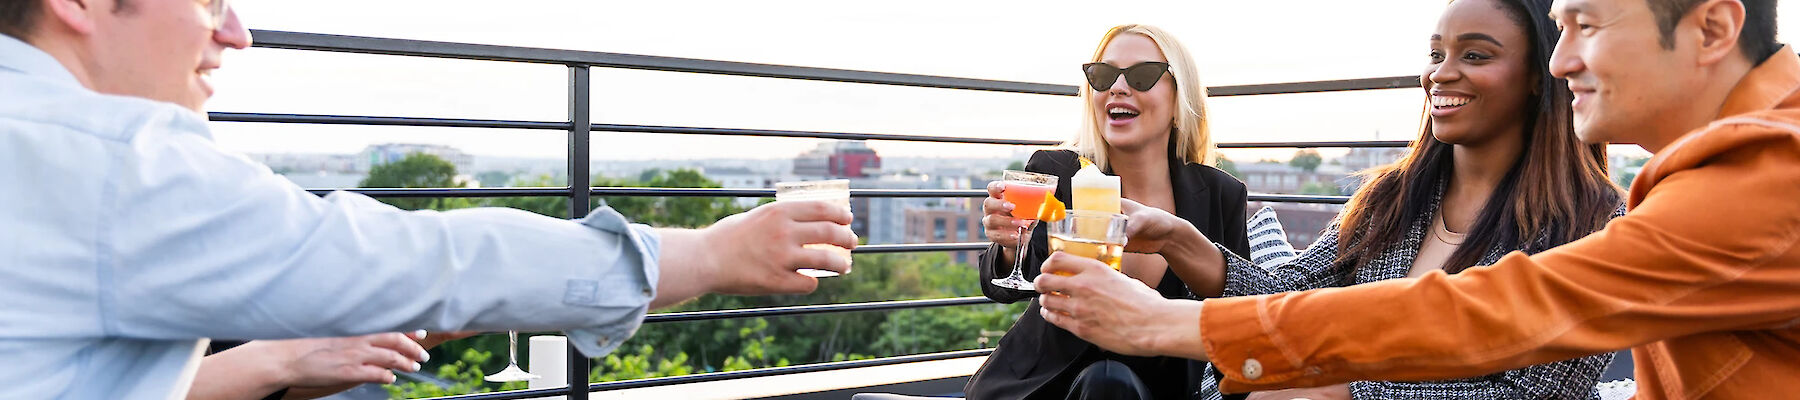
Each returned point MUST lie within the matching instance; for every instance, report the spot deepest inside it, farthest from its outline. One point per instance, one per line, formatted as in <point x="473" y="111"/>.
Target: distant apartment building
<point x="1271" y="177"/>
<point x="949" y="222"/>
<point x="839" y="159"/>
<point x="313" y="170"/>
<point x="854" y="160"/>
<point x="283" y="163"/>
<point x="883" y="219"/>
<point x="391" y="152"/>
<point x="1363" y="159"/>
<point x="739" y="178"/>
<point x="1360" y="159"/>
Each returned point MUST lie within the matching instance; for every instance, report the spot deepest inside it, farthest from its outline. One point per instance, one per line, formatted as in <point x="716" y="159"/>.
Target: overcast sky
<point x="1234" y="42"/>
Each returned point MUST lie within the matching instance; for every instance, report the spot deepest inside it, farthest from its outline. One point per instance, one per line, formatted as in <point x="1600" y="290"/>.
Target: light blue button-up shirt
<point x="127" y="236"/>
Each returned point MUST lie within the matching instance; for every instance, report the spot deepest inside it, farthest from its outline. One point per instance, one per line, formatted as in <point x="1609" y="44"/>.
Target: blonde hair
<point x="1193" y="140"/>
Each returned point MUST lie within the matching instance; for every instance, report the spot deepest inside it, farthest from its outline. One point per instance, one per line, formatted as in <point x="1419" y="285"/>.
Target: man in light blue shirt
<point x="129" y="236"/>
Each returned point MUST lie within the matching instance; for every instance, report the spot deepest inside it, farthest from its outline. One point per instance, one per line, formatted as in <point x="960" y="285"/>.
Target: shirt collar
<point x="1766" y="85"/>
<point x="19" y="56"/>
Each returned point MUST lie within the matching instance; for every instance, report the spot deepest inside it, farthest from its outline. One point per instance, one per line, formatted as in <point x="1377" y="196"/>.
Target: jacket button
<point x="603" y="341"/>
<point x="1252" y="369"/>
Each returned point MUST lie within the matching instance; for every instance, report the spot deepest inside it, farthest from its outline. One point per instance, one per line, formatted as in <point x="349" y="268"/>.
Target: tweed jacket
<point x="1315" y="268"/>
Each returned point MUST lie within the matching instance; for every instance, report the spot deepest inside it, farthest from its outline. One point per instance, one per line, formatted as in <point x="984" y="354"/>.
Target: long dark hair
<point x="1557" y="190"/>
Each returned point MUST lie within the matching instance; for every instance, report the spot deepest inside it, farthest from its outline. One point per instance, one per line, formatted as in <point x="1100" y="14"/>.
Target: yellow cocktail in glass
<point x="1091" y="234"/>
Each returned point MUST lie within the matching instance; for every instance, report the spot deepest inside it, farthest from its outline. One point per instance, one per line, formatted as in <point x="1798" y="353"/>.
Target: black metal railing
<point x="580" y="126"/>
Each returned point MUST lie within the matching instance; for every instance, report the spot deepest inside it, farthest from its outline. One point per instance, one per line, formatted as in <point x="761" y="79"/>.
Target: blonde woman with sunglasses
<point x="1145" y="122"/>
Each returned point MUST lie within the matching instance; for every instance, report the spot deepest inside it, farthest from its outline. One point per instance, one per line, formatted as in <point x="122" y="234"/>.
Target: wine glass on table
<point x="512" y="372"/>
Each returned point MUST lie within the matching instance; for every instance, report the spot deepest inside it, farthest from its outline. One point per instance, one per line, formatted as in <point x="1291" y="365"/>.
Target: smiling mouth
<point x="1448" y="102"/>
<point x="1120" y="113"/>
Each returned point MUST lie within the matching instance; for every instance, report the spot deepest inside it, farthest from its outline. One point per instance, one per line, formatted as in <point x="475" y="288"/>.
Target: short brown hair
<point x="1757" y="40"/>
<point x="17" y="16"/>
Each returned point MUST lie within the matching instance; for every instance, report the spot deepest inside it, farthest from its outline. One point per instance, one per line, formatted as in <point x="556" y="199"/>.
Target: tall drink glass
<point x="1092" y="234"/>
<point x="836" y="191"/>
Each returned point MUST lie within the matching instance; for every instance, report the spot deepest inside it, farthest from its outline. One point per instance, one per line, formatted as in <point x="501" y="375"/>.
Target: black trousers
<point x="1108" y="380"/>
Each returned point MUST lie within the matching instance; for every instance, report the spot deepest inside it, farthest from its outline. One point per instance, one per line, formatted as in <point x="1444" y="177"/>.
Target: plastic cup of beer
<point x="1092" y="234"/>
<point x="836" y="191"/>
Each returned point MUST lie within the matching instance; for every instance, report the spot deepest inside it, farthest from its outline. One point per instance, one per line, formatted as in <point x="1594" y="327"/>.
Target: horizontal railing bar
<point x="918" y="248"/>
<point x="450" y="192"/>
<point x="812" y="309"/>
<point x="1389" y="82"/>
<point x="422" y="48"/>
<point x="720" y="376"/>
<point x="687" y="130"/>
<point x="630" y="191"/>
<point x="383" y="121"/>
<point x="468" y="51"/>
<point x="1291" y="198"/>
<point x="734" y="192"/>
<point x="717" y="192"/>
<point x="1306" y="145"/>
<point x="797" y="369"/>
<point x="684" y="130"/>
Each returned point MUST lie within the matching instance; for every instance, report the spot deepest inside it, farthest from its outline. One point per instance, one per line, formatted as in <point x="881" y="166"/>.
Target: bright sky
<point x="1235" y="42"/>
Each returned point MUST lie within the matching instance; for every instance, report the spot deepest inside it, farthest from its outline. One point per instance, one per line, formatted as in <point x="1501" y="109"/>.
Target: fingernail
<point x="419" y="334"/>
<point x="424" y="356"/>
<point x="415" y="368"/>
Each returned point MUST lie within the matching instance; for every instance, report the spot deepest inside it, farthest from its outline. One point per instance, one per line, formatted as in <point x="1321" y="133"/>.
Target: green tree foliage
<point x="672" y="349"/>
<point x="685" y="212"/>
<point x="465" y="375"/>
<point x="1624" y="172"/>
<point x="828" y="337"/>
<point x="1225" y="164"/>
<point x="1319" y="189"/>
<point x="493" y="178"/>
<point x="417" y="170"/>
<point x="681" y="212"/>
<point x="1307" y="160"/>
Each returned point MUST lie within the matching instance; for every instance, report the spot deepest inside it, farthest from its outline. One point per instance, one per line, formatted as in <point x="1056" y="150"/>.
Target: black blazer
<point x="1039" y="360"/>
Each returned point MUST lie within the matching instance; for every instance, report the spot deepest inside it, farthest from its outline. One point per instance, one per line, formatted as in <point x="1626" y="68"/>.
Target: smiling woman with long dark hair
<point x="1497" y="167"/>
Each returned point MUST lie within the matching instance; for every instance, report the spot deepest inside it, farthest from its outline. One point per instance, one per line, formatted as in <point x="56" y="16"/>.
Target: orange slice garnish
<point x="1052" y="209"/>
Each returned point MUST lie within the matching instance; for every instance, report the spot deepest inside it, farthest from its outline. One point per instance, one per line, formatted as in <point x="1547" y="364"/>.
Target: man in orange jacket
<point x="1701" y="278"/>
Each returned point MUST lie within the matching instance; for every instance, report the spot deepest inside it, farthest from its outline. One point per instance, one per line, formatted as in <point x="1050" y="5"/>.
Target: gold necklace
<point x="1439" y="231"/>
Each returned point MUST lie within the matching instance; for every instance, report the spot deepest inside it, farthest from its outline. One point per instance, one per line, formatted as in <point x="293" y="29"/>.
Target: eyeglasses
<point x="1142" y="76"/>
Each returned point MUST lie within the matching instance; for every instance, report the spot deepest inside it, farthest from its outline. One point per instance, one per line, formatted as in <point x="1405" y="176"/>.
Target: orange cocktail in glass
<point x="1027" y="198"/>
<point x="1027" y="191"/>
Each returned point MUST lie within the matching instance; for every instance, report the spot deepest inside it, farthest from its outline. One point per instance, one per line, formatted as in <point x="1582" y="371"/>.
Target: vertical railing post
<point x="579" y="183"/>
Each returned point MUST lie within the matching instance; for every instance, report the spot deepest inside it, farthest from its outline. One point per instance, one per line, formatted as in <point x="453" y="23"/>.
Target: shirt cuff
<point x="1246" y="351"/>
<point x="642" y="254"/>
